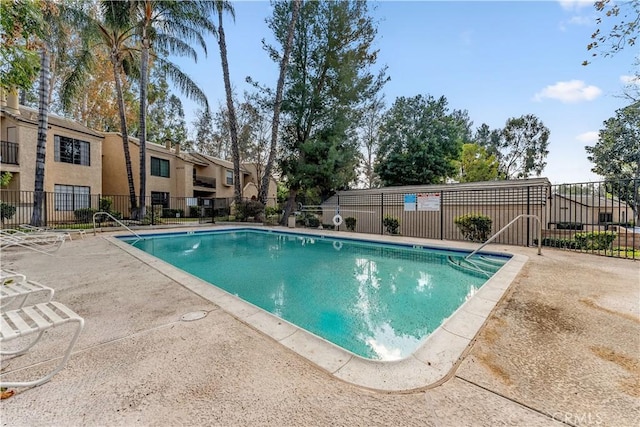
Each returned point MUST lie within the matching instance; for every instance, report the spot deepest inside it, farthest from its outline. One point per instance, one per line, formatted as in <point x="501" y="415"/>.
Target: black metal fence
<point x="595" y="217"/>
<point x="76" y="210"/>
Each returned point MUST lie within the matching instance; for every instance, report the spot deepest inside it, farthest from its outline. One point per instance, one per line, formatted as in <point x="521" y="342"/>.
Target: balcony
<point x="204" y="181"/>
<point x="9" y="153"/>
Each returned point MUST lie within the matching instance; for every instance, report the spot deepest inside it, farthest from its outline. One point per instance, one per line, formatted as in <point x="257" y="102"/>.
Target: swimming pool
<point x="377" y="300"/>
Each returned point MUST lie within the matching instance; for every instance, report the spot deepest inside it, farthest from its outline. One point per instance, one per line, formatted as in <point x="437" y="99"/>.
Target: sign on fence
<point x="409" y="202"/>
<point x="429" y="201"/>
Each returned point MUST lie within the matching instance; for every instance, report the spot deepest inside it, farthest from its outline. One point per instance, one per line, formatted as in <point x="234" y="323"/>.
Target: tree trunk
<point x="233" y="124"/>
<point x="275" y="124"/>
<point x="125" y="135"/>
<point x="289" y="208"/>
<point x="41" y="150"/>
<point x="144" y="80"/>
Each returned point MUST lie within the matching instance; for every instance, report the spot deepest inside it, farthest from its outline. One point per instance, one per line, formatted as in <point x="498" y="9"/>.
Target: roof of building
<point x="593" y="200"/>
<point x="30" y="115"/>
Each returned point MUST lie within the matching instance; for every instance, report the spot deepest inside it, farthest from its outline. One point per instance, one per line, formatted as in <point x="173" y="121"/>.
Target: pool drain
<point x="194" y="315"/>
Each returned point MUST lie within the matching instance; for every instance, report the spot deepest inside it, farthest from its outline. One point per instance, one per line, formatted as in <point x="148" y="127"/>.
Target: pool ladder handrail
<point x="507" y="226"/>
<point x="116" y="220"/>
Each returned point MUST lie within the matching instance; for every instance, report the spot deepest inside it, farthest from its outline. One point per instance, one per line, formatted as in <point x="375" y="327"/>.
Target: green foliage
<point x="391" y="224"/>
<point x="247" y="209"/>
<point x="272" y="210"/>
<point x="474" y="227"/>
<point x="620" y="34"/>
<point x="523" y="148"/>
<point x="5" y="179"/>
<point x="165" y="115"/>
<point x="419" y="141"/>
<point x="7" y="211"/>
<point x="595" y="240"/>
<point x="172" y="213"/>
<point x="350" y="223"/>
<point x="558" y="243"/>
<point x="85" y="215"/>
<point x="569" y="226"/>
<point x="105" y="204"/>
<point x="476" y="164"/>
<point x="327" y="82"/>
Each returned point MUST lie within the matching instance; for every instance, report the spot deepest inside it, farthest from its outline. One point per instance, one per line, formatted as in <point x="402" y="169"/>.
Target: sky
<point x="497" y="60"/>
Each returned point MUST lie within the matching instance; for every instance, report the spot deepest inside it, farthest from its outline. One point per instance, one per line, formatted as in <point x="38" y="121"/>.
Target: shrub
<point x="350" y="223"/>
<point x="474" y="227"/>
<point x="105" y="204"/>
<point x="7" y="211"/>
<point x="558" y="243"/>
<point x="595" y="240"/>
<point x="272" y="210"/>
<point x="172" y="213"/>
<point x="313" y="222"/>
<point x="248" y="208"/>
<point x="392" y="224"/>
<point x="85" y="215"/>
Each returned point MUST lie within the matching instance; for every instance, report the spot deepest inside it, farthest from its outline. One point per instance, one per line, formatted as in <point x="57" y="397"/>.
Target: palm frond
<point x="183" y="82"/>
<point x="175" y="46"/>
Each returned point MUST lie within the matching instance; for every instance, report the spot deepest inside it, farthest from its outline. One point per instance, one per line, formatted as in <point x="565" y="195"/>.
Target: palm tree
<point x="221" y="7"/>
<point x="264" y="184"/>
<point x="114" y="33"/>
<point x="169" y="26"/>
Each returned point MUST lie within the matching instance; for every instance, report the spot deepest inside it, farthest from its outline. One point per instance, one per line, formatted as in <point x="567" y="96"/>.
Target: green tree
<point x="111" y="31"/>
<point x="166" y="114"/>
<point x="205" y="135"/>
<point x="523" y="147"/>
<point x="489" y="139"/>
<point x="327" y="81"/>
<point x="616" y="155"/>
<point x="168" y="27"/>
<point x="369" y="135"/>
<point x="21" y="29"/>
<point x="419" y="141"/>
<point x="476" y="164"/>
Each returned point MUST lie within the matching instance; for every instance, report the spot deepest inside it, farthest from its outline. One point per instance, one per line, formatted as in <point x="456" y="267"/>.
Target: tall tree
<point x="110" y="31"/>
<point x="223" y="6"/>
<point x="523" y="147"/>
<point x="616" y="155"/>
<point x="205" y="141"/>
<point x="277" y="103"/>
<point x="419" y="141"/>
<point x="165" y="113"/>
<point x="169" y="26"/>
<point x="369" y="140"/>
<point x="327" y="81"/>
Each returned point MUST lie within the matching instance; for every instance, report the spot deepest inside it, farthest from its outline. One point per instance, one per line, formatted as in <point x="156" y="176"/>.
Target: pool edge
<point x="431" y="364"/>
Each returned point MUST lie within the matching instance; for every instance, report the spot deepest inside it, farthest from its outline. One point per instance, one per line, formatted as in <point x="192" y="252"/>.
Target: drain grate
<point x="194" y="315"/>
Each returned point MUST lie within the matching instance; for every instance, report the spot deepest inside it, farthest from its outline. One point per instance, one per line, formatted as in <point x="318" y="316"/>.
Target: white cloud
<point x="581" y="20"/>
<point x="629" y="80"/>
<point x="588" y="137"/>
<point x="569" y="92"/>
<point x="575" y="4"/>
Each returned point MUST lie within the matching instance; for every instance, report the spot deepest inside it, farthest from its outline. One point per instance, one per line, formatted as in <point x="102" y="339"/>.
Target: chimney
<point x="168" y="144"/>
<point x="177" y="147"/>
<point x="12" y="102"/>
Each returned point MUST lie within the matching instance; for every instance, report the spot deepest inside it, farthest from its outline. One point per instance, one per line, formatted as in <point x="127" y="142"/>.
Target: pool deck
<point x="562" y="347"/>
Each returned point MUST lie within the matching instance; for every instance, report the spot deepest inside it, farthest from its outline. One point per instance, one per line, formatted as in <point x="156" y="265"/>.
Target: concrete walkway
<point x="562" y="348"/>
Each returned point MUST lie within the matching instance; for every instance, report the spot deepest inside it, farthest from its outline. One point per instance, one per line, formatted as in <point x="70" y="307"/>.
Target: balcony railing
<point x="9" y="153"/>
<point x="204" y="181"/>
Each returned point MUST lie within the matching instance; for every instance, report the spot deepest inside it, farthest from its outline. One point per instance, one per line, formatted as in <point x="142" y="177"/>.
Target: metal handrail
<point x="507" y="226"/>
<point x="116" y="220"/>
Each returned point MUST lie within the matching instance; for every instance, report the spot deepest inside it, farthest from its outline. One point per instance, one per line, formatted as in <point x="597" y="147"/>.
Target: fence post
<point x="45" y="209"/>
<point x="442" y="215"/>
<point x="528" y="213"/>
<point x="381" y="213"/>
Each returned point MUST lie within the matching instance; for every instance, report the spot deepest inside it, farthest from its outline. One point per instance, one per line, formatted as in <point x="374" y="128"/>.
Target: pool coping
<point x="428" y="366"/>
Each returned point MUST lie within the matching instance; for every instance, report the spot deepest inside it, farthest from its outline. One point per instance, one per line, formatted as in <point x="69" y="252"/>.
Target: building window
<point x="71" y="197"/>
<point x="604" y="217"/>
<point x="159" y="167"/>
<point x="229" y="177"/>
<point x="160" y="198"/>
<point x="74" y="151"/>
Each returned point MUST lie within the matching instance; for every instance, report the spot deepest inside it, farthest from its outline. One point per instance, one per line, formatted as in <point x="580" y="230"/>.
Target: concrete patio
<point x="561" y="348"/>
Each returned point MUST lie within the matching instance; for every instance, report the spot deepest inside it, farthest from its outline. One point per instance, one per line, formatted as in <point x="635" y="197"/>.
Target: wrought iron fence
<point x="66" y="210"/>
<point x="595" y="217"/>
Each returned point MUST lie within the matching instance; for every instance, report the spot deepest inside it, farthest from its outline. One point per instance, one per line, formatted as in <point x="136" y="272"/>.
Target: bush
<point x="172" y="213"/>
<point x="595" y="240"/>
<point x="272" y="210"/>
<point x="392" y="224"/>
<point x="350" y="223"/>
<point x="7" y="211"/>
<point x="85" y="215"/>
<point x="247" y="209"/>
<point x="474" y="227"/>
<point x="313" y="222"/>
<point x="105" y="204"/>
<point x="558" y="243"/>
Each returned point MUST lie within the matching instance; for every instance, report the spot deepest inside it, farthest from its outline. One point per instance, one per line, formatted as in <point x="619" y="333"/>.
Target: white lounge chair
<point x="69" y="231"/>
<point x="36" y="319"/>
<point x="39" y="242"/>
<point x="16" y="286"/>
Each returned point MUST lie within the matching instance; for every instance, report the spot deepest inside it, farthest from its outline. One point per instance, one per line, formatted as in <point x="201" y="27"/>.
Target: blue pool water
<point x="378" y="301"/>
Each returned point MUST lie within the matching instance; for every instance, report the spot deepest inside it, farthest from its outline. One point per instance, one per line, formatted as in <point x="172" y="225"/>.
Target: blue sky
<point x="497" y="60"/>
